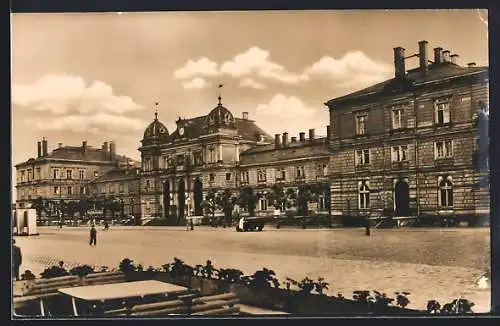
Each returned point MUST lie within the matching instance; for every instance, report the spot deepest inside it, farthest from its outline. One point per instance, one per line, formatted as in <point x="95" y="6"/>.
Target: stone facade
<point x="64" y="173"/>
<point x="410" y="145"/>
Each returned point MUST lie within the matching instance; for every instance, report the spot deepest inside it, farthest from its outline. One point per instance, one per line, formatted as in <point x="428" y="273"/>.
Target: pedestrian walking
<point x="106" y="226"/>
<point x="17" y="259"/>
<point x="93" y="235"/>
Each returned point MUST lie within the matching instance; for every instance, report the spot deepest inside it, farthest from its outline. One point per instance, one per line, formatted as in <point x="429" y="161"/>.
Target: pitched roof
<point x="117" y="174"/>
<point x="414" y="77"/>
<point x="270" y="154"/>
<point x="76" y="153"/>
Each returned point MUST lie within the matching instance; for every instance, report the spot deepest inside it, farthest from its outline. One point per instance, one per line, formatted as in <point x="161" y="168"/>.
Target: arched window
<point x="364" y="195"/>
<point x="445" y="192"/>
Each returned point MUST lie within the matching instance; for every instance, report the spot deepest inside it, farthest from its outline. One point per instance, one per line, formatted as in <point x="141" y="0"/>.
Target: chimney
<point x="454" y="58"/>
<point x="245" y="115"/>
<point x="105" y="150"/>
<point x="438" y="55"/>
<point x="471" y="64"/>
<point x="302" y="136"/>
<point x="328" y="132"/>
<point x="422" y="55"/>
<point x="285" y="139"/>
<point x="399" y="62"/>
<point x="311" y="135"/>
<point x="44" y="147"/>
<point x="294" y="139"/>
<point x="84" y="147"/>
<point x="277" y="143"/>
<point x="446" y="56"/>
<point x="112" y="150"/>
<point x="39" y="149"/>
<point x="59" y="145"/>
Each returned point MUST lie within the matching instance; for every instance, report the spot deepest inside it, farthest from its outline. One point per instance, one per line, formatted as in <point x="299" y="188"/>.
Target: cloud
<point x="62" y="94"/>
<point x="201" y="67"/>
<point x="195" y="83"/>
<point x="353" y="70"/>
<point x="256" y="61"/>
<point x="285" y="107"/>
<point x="97" y="123"/>
<point x="251" y="83"/>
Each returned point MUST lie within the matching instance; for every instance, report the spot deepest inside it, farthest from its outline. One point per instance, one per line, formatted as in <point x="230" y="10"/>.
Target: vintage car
<point x="251" y="224"/>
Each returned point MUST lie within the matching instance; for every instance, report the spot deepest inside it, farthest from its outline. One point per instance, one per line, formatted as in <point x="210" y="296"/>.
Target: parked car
<point x="251" y="224"/>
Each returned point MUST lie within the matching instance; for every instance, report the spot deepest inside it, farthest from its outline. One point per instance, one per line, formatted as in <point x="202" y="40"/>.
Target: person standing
<point x="93" y="235"/>
<point x="17" y="259"/>
<point x="367" y="226"/>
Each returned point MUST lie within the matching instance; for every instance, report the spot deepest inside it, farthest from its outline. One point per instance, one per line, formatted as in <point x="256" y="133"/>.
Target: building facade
<point x="63" y="174"/>
<point x="414" y="145"/>
<point x="201" y="155"/>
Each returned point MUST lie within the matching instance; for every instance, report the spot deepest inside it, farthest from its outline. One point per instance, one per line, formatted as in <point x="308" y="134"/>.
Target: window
<point x="81" y="174"/>
<point x="56" y="190"/>
<point x="38" y="173"/>
<point x="300" y="172"/>
<point x="103" y="189"/>
<point x="361" y="120"/>
<point x="147" y="164"/>
<point x="244" y="176"/>
<point x="280" y="174"/>
<point x="212" y="177"/>
<point x="321" y="203"/>
<point x="322" y="170"/>
<point x="69" y="190"/>
<point x="120" y="188"/>
<point x="23" y="176"/>
<point x="363" y="157"/>
<point x="198" y="158"/>
<point x="442" y="112"/>
<point x="111" y="188"/>
<point x="364" y="195"/>
<point x="212" y="154"/>
<point x="228" y="176"/>
<point x="261" y="176"/>
<point x="444" y="149"/>
<point x="397" y="118"/>
<point x="55" y="174"/>
<point x="30" y="176"/>
<point x="399" y="153"/>
<point x="69" y="174"/>
<point x="82" y="190"/>
<point x="263" y="204"/>
<point x="445" y="192"/>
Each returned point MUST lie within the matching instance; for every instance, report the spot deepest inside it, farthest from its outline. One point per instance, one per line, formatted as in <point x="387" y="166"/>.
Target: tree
<point x="212" y="203"/>
<point x="227" y="201"/>
<point x="247" y="199"/>
<point x="40" y="205"/>
<point x="303" y="198"/>
<point x="278" y="197"/>
<point x="83" y="206"/>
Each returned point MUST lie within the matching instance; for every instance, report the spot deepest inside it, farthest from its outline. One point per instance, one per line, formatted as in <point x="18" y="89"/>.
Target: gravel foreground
<point x="440" y="264"/>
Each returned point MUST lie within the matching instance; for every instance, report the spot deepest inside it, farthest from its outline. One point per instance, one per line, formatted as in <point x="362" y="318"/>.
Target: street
<point x="440" y="264"/>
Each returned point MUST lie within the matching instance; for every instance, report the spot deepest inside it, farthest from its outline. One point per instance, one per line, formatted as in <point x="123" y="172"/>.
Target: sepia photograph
<point x="279" y="163"/>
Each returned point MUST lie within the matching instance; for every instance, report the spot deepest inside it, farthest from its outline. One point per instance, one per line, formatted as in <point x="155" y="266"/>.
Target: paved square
<point x="441" y="264"/>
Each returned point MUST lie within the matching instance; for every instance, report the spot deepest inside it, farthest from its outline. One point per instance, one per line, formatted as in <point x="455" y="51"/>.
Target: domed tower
<point x="220" y="117"/>
<point x="155" y="133"/>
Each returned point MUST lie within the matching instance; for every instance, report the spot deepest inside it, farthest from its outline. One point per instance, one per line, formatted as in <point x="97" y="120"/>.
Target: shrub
<point x="54" y="271"/>
<point x="456" y="307"/>
<point x="381" y="299"/>
<point x="28" y="275"/>
<point x="402" y="299"/>
<point x="82" y="270"/>
<point x="179" y="268"/>
<point x="230" y="275"/>
<point x="208" y="270"/>
<point x="321" y="285"/>
<point x="263" y="278"/>
<point x="127" y="266"/>
<point x="362" y="296"/>
<point x="306" y="285"/>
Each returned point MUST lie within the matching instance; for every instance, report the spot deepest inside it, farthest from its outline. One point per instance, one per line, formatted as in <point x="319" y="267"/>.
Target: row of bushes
<point x="260" y="280"/>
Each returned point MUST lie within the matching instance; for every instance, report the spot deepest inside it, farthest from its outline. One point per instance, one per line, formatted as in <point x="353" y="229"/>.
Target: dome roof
<point x="155" y="129"/>
<point x="220" y="116"/>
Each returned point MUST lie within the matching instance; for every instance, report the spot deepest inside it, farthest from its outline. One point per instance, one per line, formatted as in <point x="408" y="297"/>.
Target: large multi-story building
<point x="64" y="173"/>
<point x="202" y="154"/>
<point x="415" y="144"/>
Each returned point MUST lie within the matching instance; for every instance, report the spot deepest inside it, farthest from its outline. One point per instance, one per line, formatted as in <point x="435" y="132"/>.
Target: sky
<point x="97" y="76"/>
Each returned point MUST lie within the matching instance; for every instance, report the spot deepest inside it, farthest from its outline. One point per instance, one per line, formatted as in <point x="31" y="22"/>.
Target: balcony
<point x="400" y="165"/>
<point x="444" y="162"/>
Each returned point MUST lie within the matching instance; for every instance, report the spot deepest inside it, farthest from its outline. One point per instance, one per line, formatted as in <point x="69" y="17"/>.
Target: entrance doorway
<point x="402" y="198"/>
<point x="166" y="199"/>
<point x="197" y="194"/>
